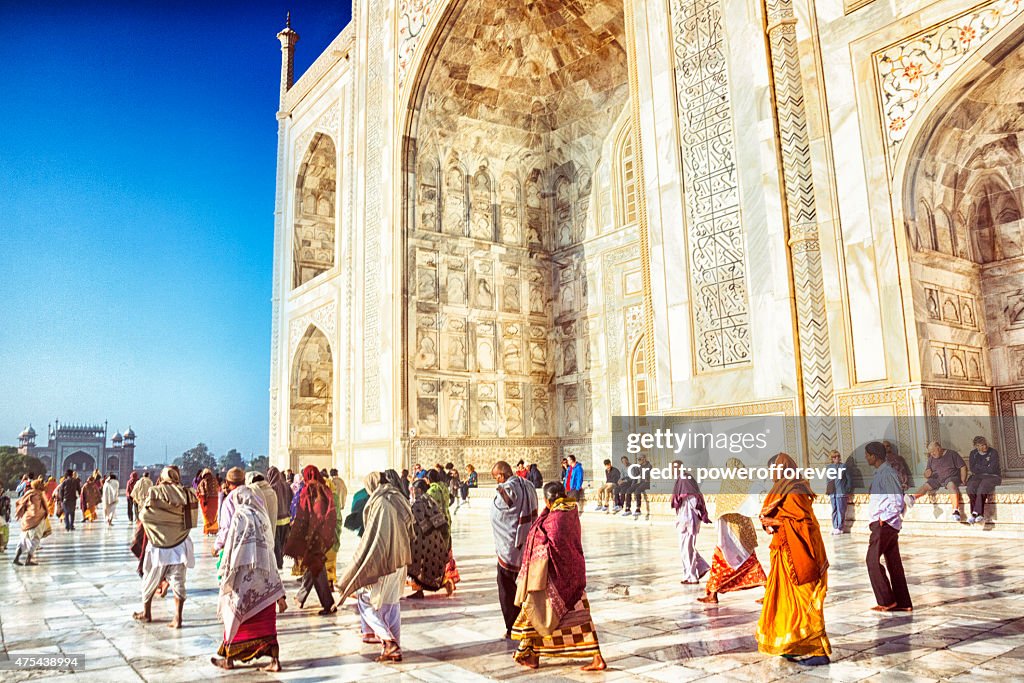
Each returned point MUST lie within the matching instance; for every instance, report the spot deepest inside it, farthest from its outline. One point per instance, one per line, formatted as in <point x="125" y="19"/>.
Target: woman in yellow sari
<point x="792" y="622"/>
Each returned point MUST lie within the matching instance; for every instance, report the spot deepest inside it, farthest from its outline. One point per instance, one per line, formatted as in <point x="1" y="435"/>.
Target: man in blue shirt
<point x="885" y="519"/>
<point x="574" y="485"/>
<point x="838" y="488"/>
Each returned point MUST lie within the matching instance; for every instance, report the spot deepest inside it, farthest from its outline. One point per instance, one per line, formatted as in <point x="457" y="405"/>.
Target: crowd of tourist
<point x="403" y="522"/>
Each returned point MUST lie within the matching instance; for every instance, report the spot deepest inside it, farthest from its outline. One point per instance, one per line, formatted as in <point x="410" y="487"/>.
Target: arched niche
<point x="504" y="138"/>
<point x="311" y="413"/>
<point x="962" y="188"/>
<point x="315" y="220"/>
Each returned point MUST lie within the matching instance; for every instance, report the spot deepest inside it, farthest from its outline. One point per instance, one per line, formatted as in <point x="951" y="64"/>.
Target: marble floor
<point x="968" y="623"/>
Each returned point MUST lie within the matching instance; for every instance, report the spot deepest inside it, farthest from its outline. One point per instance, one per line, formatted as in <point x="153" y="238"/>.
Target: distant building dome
<point x="27" y="433"/>
<point x="130" y="434"/>
<point x="117" y="437"/>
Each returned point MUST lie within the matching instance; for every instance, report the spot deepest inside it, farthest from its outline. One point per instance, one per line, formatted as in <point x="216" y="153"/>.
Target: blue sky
<point x="137" y="166"/>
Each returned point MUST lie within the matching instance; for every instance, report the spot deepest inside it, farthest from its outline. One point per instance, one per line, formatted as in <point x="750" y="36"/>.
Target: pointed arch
<point x="311" y="399"/>
<point x="315" y="200"/>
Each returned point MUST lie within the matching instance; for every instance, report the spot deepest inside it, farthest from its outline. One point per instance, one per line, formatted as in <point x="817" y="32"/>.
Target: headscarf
<point x="283" y="491"/>
<point x="790" y="501"/>
<point x="439" y="492"/>
<point x="250" y="582"/>
<point x="686" y="486"/>
<point x="297" y="482"/>
<point x="398" y="481"/>
<point x="129" y="486"/>
<point x="386" y="545"/>
<point x="171" y="475"/>
<point x="553" y="576"/>
<point x="312" y="531"/>
<point x="141" y="490"/>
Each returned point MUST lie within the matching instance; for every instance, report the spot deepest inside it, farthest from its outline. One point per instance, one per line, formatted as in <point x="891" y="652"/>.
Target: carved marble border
<point x="910" y="71"/>
<point x="1013" y="454"/>
<point x="323" y="317"/>
<point x="328" y="123"/>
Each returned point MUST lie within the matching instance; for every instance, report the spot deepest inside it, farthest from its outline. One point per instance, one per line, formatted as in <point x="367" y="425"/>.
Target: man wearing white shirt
<point x="885" y="517"/>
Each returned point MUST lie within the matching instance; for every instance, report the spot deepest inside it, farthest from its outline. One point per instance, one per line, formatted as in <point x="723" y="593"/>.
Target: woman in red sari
<point x="554" y="618"/>
<point x="792" y="622"/>
<point x="312" y="535"/>
<point x="208" y="491"/>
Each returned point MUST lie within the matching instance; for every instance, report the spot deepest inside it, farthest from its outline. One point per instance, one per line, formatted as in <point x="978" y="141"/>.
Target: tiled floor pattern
<point x="968" y="625"/>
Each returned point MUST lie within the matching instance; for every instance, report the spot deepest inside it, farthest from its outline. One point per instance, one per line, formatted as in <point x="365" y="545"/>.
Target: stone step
<point x="931" y="516"/>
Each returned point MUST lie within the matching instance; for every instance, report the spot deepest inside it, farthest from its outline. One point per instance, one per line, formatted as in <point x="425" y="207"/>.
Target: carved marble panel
<point x="716" y="243"/>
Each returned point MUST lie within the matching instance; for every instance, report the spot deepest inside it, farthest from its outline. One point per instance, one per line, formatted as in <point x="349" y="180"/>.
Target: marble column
<point x="802" y="223"/>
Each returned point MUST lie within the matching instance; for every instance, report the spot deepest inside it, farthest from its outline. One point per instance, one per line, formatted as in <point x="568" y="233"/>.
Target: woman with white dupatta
<point x="250" y="589"/>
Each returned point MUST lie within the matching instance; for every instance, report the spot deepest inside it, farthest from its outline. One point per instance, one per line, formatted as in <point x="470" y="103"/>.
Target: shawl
<point x="554" y="572"/>
<point x="687" y="486"/>
<point x="338" y="486"/>
<point x="92" y="493"/>
<point x="430" y="544"/>
<point x="511" y="523"/>
<point x="312" y="531"/>
<point x="31" y="509"/>
<point x="267" y="496"/>
<point x="51" y="486"/>
<point x="170" y="511"/>
<point x="208" y="486"/>
<point x="339" y="514"/>
<point x="227" y="511"/>
<point x="439" y="492"/>
<point x="395" y="479"/>
<point x="386" y="546"/>
<point x="790" y="502"/>
<point x="297" y="483"/>
<point x="249" y="582"/>
<point x="133" y="479"/>
<point x="110" y="491"/>
<point x="283" y="491"/>
<point x="354" y="521"/>
<point x="141" y="490"/>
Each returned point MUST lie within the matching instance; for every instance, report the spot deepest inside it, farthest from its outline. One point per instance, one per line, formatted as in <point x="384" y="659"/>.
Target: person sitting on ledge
<point x="985" y="477"/>
<point x="946" y="469"/>
<point x="606" y="493"/>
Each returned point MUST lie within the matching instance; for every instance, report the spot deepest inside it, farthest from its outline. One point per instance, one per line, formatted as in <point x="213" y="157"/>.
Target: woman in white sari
<point x="735" y="565"/>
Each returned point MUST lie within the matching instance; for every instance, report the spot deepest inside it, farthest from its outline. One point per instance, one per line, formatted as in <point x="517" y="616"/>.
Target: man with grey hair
<point x="512" y="513"/>
<point x="946" y="470"/>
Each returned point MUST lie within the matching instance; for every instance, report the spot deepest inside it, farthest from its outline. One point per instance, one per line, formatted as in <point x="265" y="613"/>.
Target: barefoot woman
<point x="554" y="618"/>
<point x="251" y="587"/>
<point x="792" y="620"/>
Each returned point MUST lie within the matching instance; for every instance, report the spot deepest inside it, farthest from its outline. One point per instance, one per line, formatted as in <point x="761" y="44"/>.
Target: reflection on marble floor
<point x="968" y="623"/>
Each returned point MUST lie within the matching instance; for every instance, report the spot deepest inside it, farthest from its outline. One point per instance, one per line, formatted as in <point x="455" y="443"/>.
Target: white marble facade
<point x="499" y="224"/>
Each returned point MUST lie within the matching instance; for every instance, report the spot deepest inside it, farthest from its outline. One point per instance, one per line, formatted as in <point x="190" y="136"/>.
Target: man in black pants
<point x="639" y="478"/>
<point x="885" y="517"/>
<point x="985" y="477"/>
<point x="68" y="492"/>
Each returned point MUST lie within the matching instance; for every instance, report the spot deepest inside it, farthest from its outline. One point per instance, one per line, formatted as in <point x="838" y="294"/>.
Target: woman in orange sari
<point x="208" y="491"/>
<point x="51" y="486"/>
<point x="792" y="622"/>
<point x="92" y="494"/>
